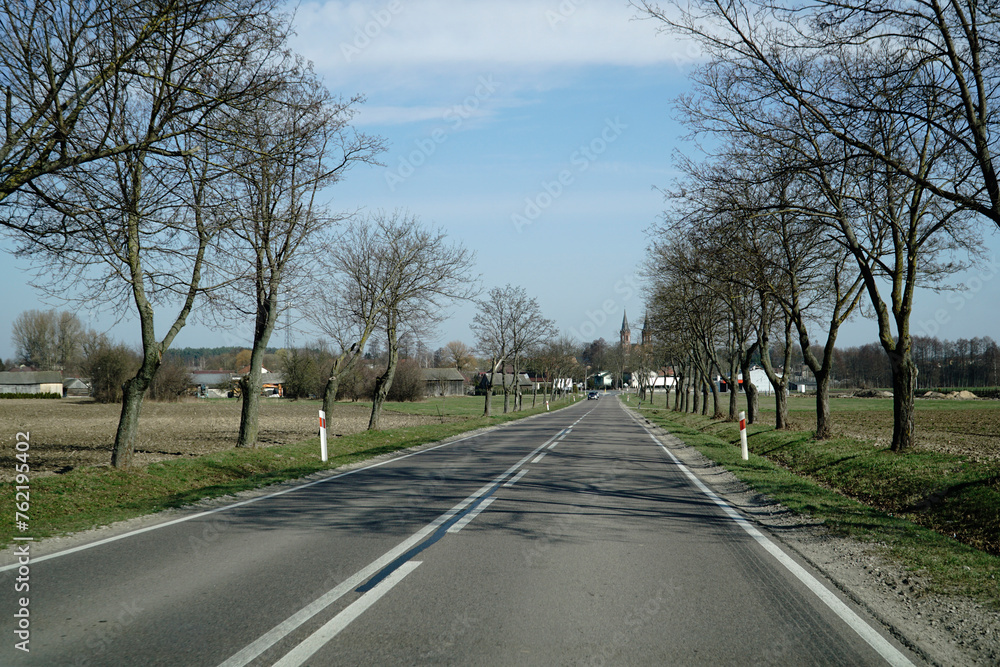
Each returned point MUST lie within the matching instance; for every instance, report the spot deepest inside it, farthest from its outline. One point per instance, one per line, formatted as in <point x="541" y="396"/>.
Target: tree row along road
<point x="574" y="537"/>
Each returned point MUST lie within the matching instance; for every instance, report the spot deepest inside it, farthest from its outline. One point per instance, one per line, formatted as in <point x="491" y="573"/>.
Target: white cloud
<point x="396" y="115"/>
<point x="414" y="34"/>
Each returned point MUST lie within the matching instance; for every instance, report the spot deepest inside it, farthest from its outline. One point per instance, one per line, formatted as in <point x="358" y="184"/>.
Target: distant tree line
<point x="943" y="364"/>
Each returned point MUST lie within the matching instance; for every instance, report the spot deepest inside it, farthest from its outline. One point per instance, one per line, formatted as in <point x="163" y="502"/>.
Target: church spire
<point x="626" y="334"/>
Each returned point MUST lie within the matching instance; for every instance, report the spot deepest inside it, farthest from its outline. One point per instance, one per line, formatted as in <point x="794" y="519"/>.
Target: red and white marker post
<point x="322" y="435"/>
<point x="743" y="435"/>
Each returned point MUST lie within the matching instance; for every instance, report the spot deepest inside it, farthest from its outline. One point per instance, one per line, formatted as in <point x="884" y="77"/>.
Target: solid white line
<point x="514" y="480"/>
<point x="332" y="628"/>
<point x="275" y="634"/>
<point x="888" y="652"/>
<point x="464" y="521"/>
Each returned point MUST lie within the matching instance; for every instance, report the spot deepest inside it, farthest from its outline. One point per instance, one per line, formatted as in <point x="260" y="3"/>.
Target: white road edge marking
<point x="333" y="627"/>
<point x="888" y="652"/>
<point x="275" y="634"/>
<point x="464" y="521"/>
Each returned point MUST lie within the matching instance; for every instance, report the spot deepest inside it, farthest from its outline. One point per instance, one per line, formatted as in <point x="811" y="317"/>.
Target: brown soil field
<point x="74" y="432"/>
<point x="962" y="428"/>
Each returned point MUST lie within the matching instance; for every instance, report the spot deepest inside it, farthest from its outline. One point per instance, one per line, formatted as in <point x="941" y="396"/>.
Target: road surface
<point x="570" y="538"/>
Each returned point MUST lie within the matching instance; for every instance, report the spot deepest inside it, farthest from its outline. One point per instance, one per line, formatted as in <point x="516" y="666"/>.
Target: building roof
<point x="442" y="375"/>
<point x="625" y="321"/>
<point x="30" y="377"/>
<point x="505" y="379"/>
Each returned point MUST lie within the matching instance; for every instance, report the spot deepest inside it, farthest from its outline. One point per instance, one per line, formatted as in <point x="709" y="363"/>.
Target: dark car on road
<point x="593" y="396"/>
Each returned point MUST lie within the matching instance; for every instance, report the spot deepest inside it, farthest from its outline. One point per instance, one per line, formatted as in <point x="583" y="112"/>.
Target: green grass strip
<point x="911" y="504"/>
<point x="97" y="496"/>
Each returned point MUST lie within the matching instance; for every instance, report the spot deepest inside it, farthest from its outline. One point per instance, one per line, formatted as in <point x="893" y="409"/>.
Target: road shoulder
<point x="946" y="630"/>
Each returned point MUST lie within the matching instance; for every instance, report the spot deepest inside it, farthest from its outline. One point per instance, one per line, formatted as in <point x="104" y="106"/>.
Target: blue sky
<point x="534" y="132"/>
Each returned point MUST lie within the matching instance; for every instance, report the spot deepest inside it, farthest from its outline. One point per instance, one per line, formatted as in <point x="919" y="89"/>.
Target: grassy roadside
<point x="90" y="497"/>
<point x="912" y="504"/>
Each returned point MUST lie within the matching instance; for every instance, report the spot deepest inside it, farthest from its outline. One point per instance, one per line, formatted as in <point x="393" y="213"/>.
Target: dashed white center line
<point x="513" y="480"/>
<point x="464" y="521"/>
<point x="332" y="628"/>
<point x="539" y="457"/>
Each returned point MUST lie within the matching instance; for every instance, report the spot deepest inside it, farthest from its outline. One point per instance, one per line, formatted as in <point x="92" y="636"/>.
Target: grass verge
<point x="90" y="497"/>
<point x="915" y="504"/>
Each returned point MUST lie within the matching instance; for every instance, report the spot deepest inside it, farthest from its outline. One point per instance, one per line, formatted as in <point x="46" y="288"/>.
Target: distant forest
<point x="965" y="362"/>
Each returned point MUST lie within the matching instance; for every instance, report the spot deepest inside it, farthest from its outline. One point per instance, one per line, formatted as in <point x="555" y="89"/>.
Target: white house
<point x="657" y="380"/>
<point x="757" y="376"/>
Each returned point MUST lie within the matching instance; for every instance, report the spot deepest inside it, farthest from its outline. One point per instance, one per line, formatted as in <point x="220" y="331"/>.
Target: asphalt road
<point x="570" y="538"/>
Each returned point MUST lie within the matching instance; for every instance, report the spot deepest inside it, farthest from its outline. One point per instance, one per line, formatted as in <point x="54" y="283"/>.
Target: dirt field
<point x="965" y="428"/>
<point x="74" y="432"/>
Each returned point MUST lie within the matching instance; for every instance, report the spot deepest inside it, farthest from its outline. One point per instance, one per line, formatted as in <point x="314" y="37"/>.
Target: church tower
<point x="626" y="335"/>
<point x="647" y="333"/>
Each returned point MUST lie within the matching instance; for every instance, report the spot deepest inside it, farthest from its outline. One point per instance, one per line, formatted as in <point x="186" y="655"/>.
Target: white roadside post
<point x="743" y="436"/>
<point x="322" y="435"/>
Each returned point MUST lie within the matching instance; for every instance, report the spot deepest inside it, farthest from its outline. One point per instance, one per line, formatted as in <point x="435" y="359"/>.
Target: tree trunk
<point x="128" y="424"/>
<point x="753" y="402"/>
<point x="250" y="388"/>
<point x="780" y="384"/>
<point x="384" y="381"/>
<point x="704" y="396"/>
<point x="904" y="383"/>
<point x="716" y="409"/>
<point x="781" y="408"/>
<point x="823" y="429"/>
<point x="488" y="409"/>
<point x="330" y="393"/>
<point x="696" y="393"/>
<point x="734" y="396"/>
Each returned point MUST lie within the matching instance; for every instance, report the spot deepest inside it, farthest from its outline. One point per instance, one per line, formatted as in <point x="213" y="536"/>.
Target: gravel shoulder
<point x="945" y="630"/>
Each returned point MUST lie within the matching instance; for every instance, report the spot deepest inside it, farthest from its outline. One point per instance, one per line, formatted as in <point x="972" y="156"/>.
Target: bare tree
<point x="350" y="297"/>
<point x="934" y="53"/>
<point x="507" y="325"/>
<point x="868" y="126"/>
<point x="287" y="149"/>
<point x="422" y="273"/>
<point x="459" y="355"/>
<point x="143" y="220"/>
<point x="70" y="71"/>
